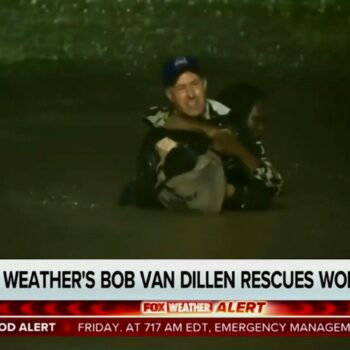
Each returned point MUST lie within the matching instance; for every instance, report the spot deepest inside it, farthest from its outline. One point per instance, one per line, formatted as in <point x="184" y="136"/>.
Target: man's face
<point x="188" y="95"/>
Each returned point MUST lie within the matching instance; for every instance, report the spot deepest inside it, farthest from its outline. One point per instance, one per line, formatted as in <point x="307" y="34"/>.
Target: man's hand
<point x="230" y="191"/>
<point x="215" y="132"/>
<point x="225" y="142"/>
<point x="164" y="146"/>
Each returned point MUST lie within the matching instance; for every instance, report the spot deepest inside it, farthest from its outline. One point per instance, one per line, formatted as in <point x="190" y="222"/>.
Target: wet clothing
<point x="159" y="180"/>
<point x="254" y="190"/>
<point x="201" y="187"/>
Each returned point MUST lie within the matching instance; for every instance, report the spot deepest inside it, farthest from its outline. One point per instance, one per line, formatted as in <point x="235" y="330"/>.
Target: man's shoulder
<point x="216" y="109"/>
<point x="157" y="116"/>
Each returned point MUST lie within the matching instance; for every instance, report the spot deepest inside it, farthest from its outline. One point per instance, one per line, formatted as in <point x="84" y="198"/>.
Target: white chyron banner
<point x="174" y="279"/>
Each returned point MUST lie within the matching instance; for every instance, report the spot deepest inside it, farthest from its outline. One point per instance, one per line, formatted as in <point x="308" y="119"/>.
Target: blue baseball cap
<point x="175" y="67"/>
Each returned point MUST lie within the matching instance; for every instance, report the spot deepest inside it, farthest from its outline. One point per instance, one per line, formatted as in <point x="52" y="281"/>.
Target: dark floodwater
<point x="69" y="143"/>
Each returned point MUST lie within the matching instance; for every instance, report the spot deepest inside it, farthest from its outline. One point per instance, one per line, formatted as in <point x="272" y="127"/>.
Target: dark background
<point x="75" y="79"/>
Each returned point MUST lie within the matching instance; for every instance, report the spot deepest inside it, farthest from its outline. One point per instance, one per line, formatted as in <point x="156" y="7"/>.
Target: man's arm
<point x="175" y="122"/>
<point x="224" y="141"/>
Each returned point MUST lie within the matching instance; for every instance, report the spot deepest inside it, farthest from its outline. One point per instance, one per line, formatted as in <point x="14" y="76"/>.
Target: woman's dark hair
<point x="240" y="98"/>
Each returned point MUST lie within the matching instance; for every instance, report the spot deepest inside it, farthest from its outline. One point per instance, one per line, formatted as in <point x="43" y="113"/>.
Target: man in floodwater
<point x="196" y="155"/>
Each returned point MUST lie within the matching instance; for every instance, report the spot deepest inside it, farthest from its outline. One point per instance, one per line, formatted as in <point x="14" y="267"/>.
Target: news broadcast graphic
<point x="175" y="298"/>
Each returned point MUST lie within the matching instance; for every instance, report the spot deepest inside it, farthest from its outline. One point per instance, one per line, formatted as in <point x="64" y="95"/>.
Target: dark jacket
<point x="179" y="160"/>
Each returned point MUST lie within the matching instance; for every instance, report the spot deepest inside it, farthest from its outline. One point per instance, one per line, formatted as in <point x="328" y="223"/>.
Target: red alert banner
<point x="176" y="308"/>
<point x="174" y="327"/>
<point x="175" y="318"/>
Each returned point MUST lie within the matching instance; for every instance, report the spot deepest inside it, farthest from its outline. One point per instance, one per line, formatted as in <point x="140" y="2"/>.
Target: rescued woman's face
<point x="256" y="120"/>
